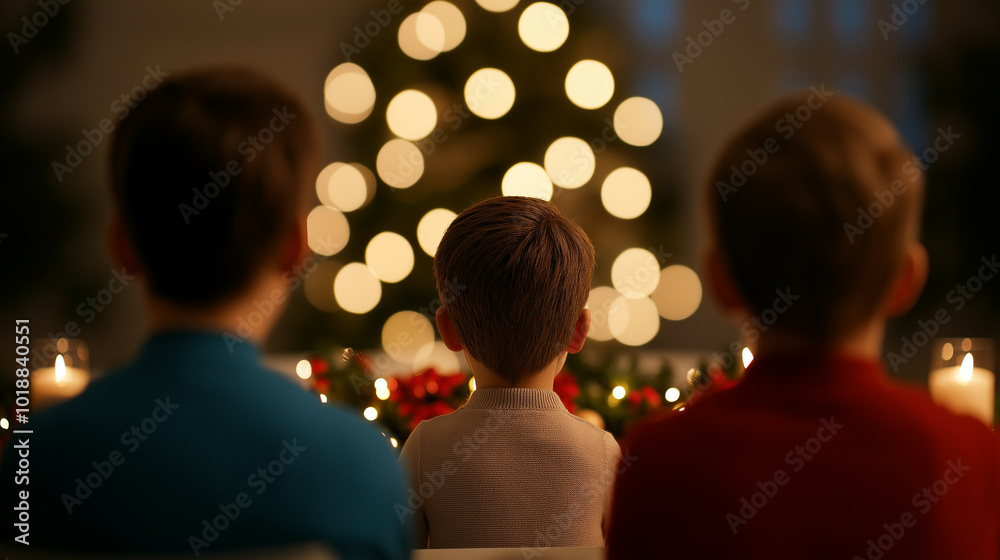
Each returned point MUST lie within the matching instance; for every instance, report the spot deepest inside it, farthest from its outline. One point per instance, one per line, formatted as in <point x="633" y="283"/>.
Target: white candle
<point x="50" y="386"/>
<point x="965" y="389"/>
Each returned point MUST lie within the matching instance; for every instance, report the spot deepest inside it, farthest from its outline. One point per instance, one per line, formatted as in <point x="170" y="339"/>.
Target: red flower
<point x="565" y="386"/>
<point x="425" y="395"/>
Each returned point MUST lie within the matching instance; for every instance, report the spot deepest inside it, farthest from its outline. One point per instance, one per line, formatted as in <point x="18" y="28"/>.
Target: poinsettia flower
<point x="566" y="387"/>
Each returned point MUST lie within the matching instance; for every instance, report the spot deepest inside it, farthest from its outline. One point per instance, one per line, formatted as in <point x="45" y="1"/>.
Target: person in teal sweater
<point x="194" y="447"/>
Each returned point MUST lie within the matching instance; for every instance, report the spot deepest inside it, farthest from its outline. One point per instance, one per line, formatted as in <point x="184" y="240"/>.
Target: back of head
<point x="209" y="174"/>
<point x="514" y="275"/>
<point x="815" y="197"/>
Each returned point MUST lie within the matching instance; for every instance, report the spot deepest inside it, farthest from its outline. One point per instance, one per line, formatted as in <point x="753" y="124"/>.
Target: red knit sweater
<point x="809" y="458"/>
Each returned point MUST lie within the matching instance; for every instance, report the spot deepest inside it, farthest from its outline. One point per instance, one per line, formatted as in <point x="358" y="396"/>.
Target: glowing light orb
<point x="370" y="413"/>
<point x="452" y="21"/>
<point x="626" y="193"/>
<point x="589" y="84"/>
<point x="411" y="115"/>
<point x="569" y="162"/>
<point x="635" y="273"/>
<point x="421" y="36"/>
<point x="407" y="337"/>
<point x="527" y="179"/>
<point x="618" y="392"/>
<point x="639" y="325"/>
<point x="349" y="94"/>
<point x="327" y="230"/>
<point x="543" y="27"/>
<point x="390" y="256"/>
<point x="431" y="228"/>
<point x="497" y="5"/>
<point x="638" y="121"/>
<point x="678" y="294"/>
<point x="356" y="289"/>
<point x="672" y="394"/>
<point x="399" y="163"/>
<point x="303" y="369"/>
<point x="489" y="93"/>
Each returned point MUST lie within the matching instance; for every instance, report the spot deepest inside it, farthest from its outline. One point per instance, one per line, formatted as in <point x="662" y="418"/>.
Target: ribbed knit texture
<point x="512" y="468"/>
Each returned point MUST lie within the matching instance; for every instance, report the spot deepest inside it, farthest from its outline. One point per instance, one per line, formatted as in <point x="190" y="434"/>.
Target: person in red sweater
<point x="814" y="215"/>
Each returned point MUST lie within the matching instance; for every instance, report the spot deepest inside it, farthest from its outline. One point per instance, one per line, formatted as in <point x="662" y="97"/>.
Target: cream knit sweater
<point x="510" y="469"/>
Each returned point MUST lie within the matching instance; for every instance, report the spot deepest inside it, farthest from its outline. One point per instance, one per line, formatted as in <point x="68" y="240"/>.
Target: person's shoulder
<point x="924" y="413"/>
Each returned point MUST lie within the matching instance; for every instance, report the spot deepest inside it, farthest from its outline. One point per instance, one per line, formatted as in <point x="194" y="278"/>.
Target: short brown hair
<point x="514" y="274"/>
<point x="209" y="172"/>
<point x="816" y="196"/>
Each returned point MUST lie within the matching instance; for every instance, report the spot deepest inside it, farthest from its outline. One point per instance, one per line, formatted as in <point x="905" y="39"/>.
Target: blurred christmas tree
<point x="436" y="104"/>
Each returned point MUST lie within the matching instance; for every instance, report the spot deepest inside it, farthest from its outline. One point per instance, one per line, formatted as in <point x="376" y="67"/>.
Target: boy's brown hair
<point x="209" y="173"/>
<point x="830" y="200"/>
<point x="514" y="274"/>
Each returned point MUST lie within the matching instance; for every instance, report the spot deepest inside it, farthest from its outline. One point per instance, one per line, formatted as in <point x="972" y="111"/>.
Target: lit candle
<point x="50" y="386"/>
<point x="964" y="389"/>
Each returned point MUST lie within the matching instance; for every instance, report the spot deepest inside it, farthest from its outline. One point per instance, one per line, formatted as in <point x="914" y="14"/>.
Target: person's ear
<point x="580" y="332"/>
<point x="720" y="283"/>
<point x="122" y="251"/>
<point x="447" y="329"/>
<point x="909" y="281"/>
<point x="295" y="247"/>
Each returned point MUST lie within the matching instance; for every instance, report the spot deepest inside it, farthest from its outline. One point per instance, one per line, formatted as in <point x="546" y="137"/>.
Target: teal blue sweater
<point x="196" y="449"/>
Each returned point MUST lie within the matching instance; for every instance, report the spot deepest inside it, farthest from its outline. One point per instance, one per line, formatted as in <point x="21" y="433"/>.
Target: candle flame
<point x="747" y="357"/>
<point x="965" y="371"/>
<point x="60" y="369"/>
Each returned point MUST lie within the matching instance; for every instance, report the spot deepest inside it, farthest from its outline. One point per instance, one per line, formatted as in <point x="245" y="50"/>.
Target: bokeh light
<point x="327" y="230"/>
<point x="390" y="256"/>
<point x="527" y="179"/>
<point x="618" y="392"/>
<point x="672" y="394"/>
<point x="589" y="84"/>
<point x="747" y="356"/>
<point x="678" y="294"/>
<point x="356" y="288"/>
<point x="303" y="369"/>
<point x="638" y="121"/>
<point x="399" y="163"/>
<point x="349" y="94"/>
<point x="421" y="36"/>
<point x="489" y="93"/>
<point x="602" y="304"/>
<point x="411" y="115"/>
<point x="543" y="27"/>
<point x="318" y="285"/>
<point x="497" y="5"/>
<point x="626" y="193"/>
<point x="635" y="273"/>
<point x="347" y="189"/>
<point x="431" y="228"/>
<point x="451" y="19"/>
<point x="370" y="413"/>
<point x="639" y="325"/>
<point x="407" y="337"/>
<point x="569" y="162"/>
